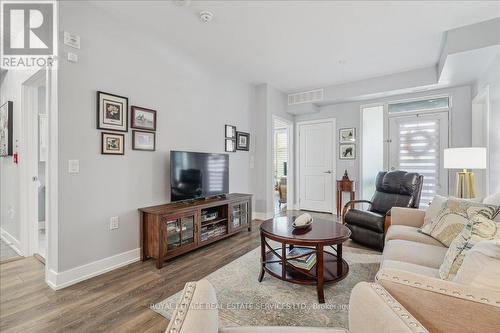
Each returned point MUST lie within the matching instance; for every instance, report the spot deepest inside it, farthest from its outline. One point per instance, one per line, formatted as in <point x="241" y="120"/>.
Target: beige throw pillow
<point x="434" y="208"/>
<point x="479" y="228"/>
<point x="454" y="214"/>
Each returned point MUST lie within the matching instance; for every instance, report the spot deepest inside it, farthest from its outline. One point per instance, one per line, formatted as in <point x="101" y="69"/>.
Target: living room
<point x="104" y="152"/>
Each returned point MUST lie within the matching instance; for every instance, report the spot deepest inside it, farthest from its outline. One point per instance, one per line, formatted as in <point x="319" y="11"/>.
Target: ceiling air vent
<point x="305" y="97"/>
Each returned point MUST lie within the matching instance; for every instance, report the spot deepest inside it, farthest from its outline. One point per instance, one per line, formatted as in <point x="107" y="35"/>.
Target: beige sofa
<point x="409" y="272"/>
<point x="407" y="296"/>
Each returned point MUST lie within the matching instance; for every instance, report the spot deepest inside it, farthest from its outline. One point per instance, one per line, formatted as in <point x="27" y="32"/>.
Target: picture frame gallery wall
<point x="113" y="115"/>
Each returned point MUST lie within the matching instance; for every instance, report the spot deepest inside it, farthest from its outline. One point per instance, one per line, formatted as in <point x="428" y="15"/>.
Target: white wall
<point x="269" y="102"/>
<point x="10" y="90"/>
<point x="348" y="115"/>
<point x="491" y="78"/>
<point x="193" y="104"/>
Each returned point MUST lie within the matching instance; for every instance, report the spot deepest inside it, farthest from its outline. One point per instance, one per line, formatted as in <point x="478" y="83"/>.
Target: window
<point x="420" y="105"/>
<point x="372" y="148"/>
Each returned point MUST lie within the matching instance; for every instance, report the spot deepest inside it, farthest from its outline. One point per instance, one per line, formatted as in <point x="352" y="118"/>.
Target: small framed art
<point x="347" y="135"/>
<point x="347" y="151"/>
<point x="112" y="144"/>
<point x="142" y="140"/>
<point x="112" y="112"/>
<point x="143" y="118"/>
<point x="230" y="145"/>
<point x="230" y="132"/>
<point x="243" y="141"/>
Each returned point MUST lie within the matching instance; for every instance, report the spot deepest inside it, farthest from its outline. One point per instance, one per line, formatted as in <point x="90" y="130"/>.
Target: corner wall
<point x="193" y="103"/>
<point x="348" y="115"/>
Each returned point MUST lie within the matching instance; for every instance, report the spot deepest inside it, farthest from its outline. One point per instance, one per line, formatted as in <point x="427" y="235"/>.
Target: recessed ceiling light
<point x="206" y="16"/>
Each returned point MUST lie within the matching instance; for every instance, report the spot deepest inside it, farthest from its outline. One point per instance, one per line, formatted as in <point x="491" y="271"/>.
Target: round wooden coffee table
<point x="320" y="238"/>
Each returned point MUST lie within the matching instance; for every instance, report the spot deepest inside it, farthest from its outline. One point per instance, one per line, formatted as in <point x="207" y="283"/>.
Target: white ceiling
<point x="296" y="45"/>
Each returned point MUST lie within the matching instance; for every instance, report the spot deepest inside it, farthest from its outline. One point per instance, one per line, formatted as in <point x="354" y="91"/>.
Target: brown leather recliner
<point x="393" y="189"/>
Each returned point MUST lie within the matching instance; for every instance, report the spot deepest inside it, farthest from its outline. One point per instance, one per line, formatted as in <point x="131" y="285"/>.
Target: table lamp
<point x="465" y="158"/>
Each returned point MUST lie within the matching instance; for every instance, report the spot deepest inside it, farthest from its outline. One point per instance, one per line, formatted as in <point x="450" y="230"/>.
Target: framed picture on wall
<point x="242" y="141"/>
<point x="6" y="129"/>
<point x="142" y="140"/>
<point x="112" y="112"/>
<point x="347" y="151"/>
<point x="230" y="145"/>
<point x="347" y="135"/>
<point x="143" y="118"/>
<point x="112" y="144"/>
<point x="230" y="132"/>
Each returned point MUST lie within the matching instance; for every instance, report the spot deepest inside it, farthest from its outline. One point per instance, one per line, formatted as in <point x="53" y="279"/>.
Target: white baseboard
<point x="59" y="280"/>
<point x="263" y="216"/>
<point x="12" y="241"/>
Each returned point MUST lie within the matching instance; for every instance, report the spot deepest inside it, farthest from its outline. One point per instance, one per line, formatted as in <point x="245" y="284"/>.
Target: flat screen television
<point x="198" y="175"/>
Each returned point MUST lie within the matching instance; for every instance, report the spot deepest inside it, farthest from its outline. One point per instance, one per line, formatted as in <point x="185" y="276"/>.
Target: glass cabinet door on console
<point x="180" y="231"/>
<point x="239" y="215"/>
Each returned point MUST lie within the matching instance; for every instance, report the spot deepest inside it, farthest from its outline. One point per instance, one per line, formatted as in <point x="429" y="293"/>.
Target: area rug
<point x="243" y="301"/>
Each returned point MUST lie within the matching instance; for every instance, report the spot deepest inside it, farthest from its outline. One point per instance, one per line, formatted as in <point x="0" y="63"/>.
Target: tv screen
<point x="198" y="175"/>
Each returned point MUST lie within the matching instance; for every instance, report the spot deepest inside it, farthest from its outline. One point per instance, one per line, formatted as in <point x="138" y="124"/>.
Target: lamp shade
<point x="465" y="158"/>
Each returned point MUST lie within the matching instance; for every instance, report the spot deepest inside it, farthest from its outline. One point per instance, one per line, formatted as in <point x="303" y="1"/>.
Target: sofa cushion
<point x="408" y="267"/>
<point x="479" y="228"/>
<point x="365" y="219"/>
<point x="454" y="214"/>
<point x="414" y="253"/>
<point x="405" y="232"/>
<point x="481" y="266"/>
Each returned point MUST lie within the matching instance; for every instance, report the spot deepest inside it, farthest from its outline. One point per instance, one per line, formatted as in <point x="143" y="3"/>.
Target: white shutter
<point x="280" y="152"/>
<point x="417" y="146"/>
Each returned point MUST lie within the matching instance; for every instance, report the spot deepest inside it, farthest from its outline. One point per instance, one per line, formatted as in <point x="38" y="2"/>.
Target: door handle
<point x="329" y="171"/>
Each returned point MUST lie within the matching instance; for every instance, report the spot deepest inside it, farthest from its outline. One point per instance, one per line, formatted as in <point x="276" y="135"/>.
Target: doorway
<point x="317" y="169"/>
<point x="34" y="168"/>
<point x="282" y="180"/>
<point x="416" y="144"/>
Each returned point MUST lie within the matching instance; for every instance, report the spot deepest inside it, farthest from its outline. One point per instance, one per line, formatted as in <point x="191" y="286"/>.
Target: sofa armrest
<point x="196" y="310"/>
<point x="443" y="306"/>
<point x="372" y="309"/>
<point x="407" y="216"/>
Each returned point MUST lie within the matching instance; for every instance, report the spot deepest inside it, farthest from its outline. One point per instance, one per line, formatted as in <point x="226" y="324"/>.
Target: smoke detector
<point x="206" y="16"/>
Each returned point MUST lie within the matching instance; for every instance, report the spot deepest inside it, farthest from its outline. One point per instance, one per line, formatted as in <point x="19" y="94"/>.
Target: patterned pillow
<point x="479" y="228"/>
<point x="454" y="214"/>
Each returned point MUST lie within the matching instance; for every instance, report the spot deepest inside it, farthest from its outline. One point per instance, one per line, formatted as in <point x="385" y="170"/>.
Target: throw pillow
<point x="479" y="228"/>
<point x="454" y="214"/>
<point x="481" y="266"/>
<point x="493" y="199"/>
<point x="434" y="208"/>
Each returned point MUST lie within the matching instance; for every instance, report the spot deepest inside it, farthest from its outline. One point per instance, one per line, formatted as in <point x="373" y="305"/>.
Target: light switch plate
<point x="72" y="57"/>
<point x="114" y="223"/>
<point x="73" y="166"/>
<point x="71" y="40"/>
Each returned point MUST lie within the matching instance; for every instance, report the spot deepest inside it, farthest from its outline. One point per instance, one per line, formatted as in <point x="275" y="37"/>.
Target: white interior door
<point x="316" y="166"/>
<point x="416" y="145"/>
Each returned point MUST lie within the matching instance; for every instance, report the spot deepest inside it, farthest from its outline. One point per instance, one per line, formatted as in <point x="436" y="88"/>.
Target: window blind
<point x="419" y="152"/>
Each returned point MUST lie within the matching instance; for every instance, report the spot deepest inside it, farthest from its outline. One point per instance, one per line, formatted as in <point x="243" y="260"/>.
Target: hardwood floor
<point x="117" y="301"/>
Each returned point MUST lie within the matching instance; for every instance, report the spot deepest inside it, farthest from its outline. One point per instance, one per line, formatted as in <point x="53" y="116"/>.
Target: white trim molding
<point x="60" y="280"/>
<point x="11" y="241"/>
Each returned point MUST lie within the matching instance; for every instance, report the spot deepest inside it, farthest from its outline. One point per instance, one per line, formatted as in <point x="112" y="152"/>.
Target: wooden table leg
<point x="283" y="260"/>
<point x="352" y="198"/>
<point x="263" y="256"/>
<point x="319" y="273"/>
<point x="339" y="259"/>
